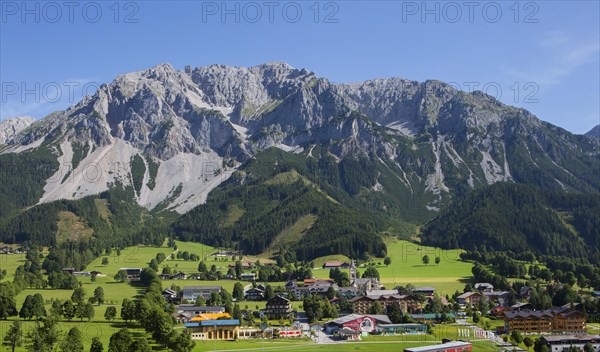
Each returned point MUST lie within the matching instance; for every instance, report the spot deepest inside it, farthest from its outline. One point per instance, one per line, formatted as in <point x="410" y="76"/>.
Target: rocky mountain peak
<point x="9" y="128"/>
<point x="429" y="135"/>
<point x="594" y="132"/>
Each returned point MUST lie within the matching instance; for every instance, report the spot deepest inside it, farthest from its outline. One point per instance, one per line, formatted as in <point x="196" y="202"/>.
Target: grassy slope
<point x="407" y="267"/>
<point x="71" y="227"/>
<point x="10" y="262"/>
<point x="290" y="236"/>
<point x="233" y="215"/>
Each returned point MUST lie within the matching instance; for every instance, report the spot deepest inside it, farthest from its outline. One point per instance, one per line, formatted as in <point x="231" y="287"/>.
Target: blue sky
<point x="543" y="56"/>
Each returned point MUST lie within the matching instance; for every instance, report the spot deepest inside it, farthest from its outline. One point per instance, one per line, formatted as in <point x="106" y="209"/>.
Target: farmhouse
<point x="191" y="293"/>
<point x="254" y="294"/>
<point x="278" y="307"/>
<point x="331" y="265"/>
<point x="470" y="298"/>
<point x="179" y="276"/>
<point x="133" y="274"/>
<point x="426" y="291"/>
<point x="456" y="346"/>
<point x="221" y="254"/>
<point x="248" y="276"/>
<point x="310" y="282"/>
<point x="484" y="287"/>
<point x="525" y="292"/>
<point x="501" y="298"/>
<point x="522" y="306"/>
<point x="169" y="295"/>
<point x="559" y="343"/>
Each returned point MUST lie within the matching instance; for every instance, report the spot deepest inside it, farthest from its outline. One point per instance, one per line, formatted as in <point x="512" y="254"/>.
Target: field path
<point x="177" y="250"/>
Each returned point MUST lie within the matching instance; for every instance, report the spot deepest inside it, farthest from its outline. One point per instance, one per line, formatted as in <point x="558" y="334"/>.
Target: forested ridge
<point x="22" y="178"/>
<point x="273" y="193"/>
<point x="125" y="224"/>
<point x="518" y="218"/>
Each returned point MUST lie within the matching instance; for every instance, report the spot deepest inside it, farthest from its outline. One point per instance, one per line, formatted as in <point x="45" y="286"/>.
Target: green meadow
<point x="407" y="267"/>
<point x="97" y="327"/>
<point x="370" y="343"/>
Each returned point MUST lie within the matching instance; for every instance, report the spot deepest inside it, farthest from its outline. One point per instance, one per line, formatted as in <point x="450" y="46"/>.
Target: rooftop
<point x="438" y="347"/>
<point x="220" y="322"/>
<point x="351" y="317"/>
<point x="202" y="288"/>
<point x="423" y="288"/>
<point x="572" y="338"/>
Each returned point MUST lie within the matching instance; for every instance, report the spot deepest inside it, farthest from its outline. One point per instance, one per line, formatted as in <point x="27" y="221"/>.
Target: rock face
<point x="594" y="132"/>
<point x="11" y="127"/>
<point x="192" y="128"/>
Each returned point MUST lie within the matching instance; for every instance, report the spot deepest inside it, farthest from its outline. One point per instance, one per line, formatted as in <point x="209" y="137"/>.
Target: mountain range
<point x="392" y="147"/>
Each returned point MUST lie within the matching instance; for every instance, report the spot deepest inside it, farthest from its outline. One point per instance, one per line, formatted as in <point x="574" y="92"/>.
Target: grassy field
<point x="370" y="343"/>
<point x="367" y="345"/>
<point x="97" y="327"/>
<point x="10" y="262"/>
<point x="407" y="267"/>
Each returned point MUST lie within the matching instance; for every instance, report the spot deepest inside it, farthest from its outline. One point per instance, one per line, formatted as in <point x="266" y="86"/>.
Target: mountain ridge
<point x="189" y="130"/>
<point x="594" y="132"/>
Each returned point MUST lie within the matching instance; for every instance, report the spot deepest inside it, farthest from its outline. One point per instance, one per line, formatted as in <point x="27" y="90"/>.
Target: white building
<point x="191" y="293"/>
<point x="560" y="343"/>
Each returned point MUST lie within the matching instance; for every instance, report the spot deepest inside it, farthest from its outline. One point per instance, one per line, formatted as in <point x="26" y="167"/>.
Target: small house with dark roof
<point x="254" y="294"/>
<point x="484" y="287"/>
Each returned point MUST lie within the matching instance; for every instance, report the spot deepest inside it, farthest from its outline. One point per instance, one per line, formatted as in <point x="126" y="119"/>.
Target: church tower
<point x="352" y="272"/>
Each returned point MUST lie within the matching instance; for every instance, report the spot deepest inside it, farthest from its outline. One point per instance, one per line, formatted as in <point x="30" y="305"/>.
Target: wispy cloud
<point x="560" y="55"/>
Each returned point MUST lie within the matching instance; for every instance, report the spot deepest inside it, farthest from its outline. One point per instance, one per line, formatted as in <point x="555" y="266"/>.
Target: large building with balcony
<point x="553" y="320"/>
<point x="408" y="303"/>
<point x="278" y="307"/>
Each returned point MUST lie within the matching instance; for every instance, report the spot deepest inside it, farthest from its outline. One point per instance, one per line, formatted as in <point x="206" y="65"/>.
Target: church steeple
<point x="352" y="271"/>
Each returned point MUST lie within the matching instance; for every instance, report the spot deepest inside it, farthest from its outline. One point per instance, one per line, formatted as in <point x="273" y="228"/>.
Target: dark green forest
<point x="270" y="206"/>
<point x="22" y="178"/>
<point x="515" y="218"/>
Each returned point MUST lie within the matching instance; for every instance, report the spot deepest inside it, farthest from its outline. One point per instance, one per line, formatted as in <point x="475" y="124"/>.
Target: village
<point x="366" y="308"/>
